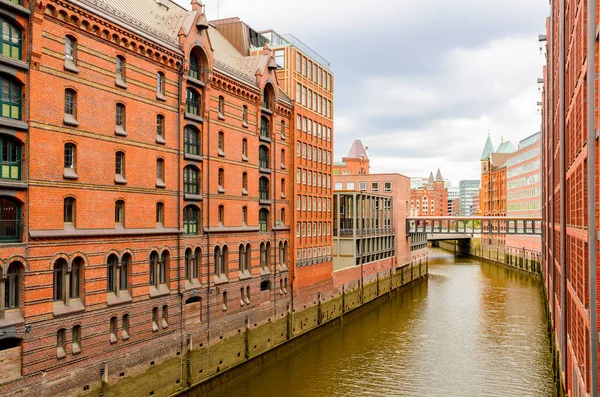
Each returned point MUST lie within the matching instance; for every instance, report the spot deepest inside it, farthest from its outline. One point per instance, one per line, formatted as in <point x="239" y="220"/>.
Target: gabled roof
<point x="506" y="147"/>
<point x="357" y="151"/>
<point x="488" y="149"/>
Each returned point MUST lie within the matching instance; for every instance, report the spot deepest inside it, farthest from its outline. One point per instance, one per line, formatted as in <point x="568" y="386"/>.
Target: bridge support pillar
<point x="463" y="247"/>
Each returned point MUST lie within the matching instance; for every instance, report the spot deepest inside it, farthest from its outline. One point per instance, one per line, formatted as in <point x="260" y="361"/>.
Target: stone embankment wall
<point x="522" y="259"/>
<point x="192" y="372"/>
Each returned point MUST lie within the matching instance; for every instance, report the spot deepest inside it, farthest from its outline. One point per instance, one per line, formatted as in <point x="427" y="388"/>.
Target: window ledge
<point x="160" y="96"/>
<point x="120" y="131"/>
<point x="16" y="185"/>
<point x="191" y="285"/>
<point x="230" y="229"/>
<point x="192" y="197"/>
<point x="283" y="167"/>
<point x="220" y="279"/>
<point x="124" y="297"/>
<point x="165" y="324"/>
<point x="281" y="228"/>
<point x="264" y="202"/>
<point x="194" y="157"/>
<point x="69" y="173"/>
<point x="12" y="317"/>
<point x="283" y="268"/>
<point x="244" y="192"/>
<point x="264" y="138"/>
<point x="221" y="116"/>
<point x="11" y="62"/>
<point x="194" y="117"/>
<point x="160" y="139"/>
<point x="245" y="275"/>
<point x="264" y="271"/>
<point x="113" y="338"/>
<point x="264" y="170"/>
<point x="162" y="290"/>
<point x="282" y="195"/>
<point x="244" y="157"/>
<point x="60" y="353"/>
<point x="120" y="179"/>
<point x="75" y="306"/>
<point x="71" y="66"/>
<point x="12" y="123"/>
<point x="221" y="189"/>
<point x="221" y="153"/>
<point x="154" y="327"/>
<point x="125" y="335"/>
<point x="244" y="124"/>
<point x="76" y="348"/>
<point x="282" y="137"/>
<point x="120" y="83"/>
<point x="62" y="233"/>
<point x="195" y="82"/>
<point x="15" y="7"/>
<point x="266" y="110"/>
<point x="160" y="183"/>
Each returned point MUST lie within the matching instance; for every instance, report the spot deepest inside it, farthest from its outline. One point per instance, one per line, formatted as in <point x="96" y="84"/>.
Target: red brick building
<point x="145" y="191"/>
<point x="431" y="199"/>
<point x="570" y="191"/>
<point x="355" y="163"/>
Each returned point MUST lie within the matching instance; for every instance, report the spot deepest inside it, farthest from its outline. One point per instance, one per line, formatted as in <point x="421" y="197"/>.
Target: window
<point x="120" y="109"/>
<point x="197" y="263"/>
<point x="120" y="69"/>
<point x="263" y="188"/>
<point x="123" y="272"/>
<point x="160" y="172"/>
<point x="11" y="40"/>
<point x="60" y="279"/>
<point x="155" y="319"/>
<point x="10" y="159"/>
<point x="244" y="216"/>
<point x="111" y="272"/>
<point x="160" y="213"/>
<point x="267" y="98"/>
<point x="163" y="268"/>
<point x="160" y="126"/>
<point x="224" y="300"/>
<point x="70" y="106"/>
<point x="245" y="115"/>
<point x="362" y="186"/>
<point x="221" y="215"/>
<point x="265" y="252"/>
<point x="221" y="180"/>
<point x="244" y="183"/>
<point x="69" y="156"/>
<point x="221" y="143"/>
<point x="75" y="278"/>
<point x="221" y="258"/>
<point x="160" y="85"/>
<point x="194" y="71"/>
<point x="221" y="107"/>
<point x="190" y="220"/>
<point x="264" y="127"/>
<point x="120" y="164"/>
<point x="279" y="58"/>
<point x="11" y="98"/>
<point x="282" y="187"/>
<point x="76" y="339"/>
<point x="165" y="316"/>
<point x="69" y="210"/>
<point x="191" y="266"/>
<point x="242" y="258"/>
<point x="191" y="140"/>
<point x="192" y="102"/>
<point x="125" y="327"/>
<point x="191" y="180"/>
<point x="263" y="220"/>
<point x="282" y="129"/>
<point x="245" y="149"/>
<point x="12" y="286"/>
<point x="282" y="216"/>
<point x="61" y="343"/>
<point x="375" y="186"/>
<point x="283" y="248"/>
<point x="119" y="212"/>
<point x="263" y="156"/>
<point x="387" y="187"/>
<point x="70" y="50"/>
<point x="153" y="268"/>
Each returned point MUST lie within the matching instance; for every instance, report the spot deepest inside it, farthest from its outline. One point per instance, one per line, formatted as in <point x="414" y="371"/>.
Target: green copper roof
<point x="506" y="147"/>
<point x="488" y="149"/>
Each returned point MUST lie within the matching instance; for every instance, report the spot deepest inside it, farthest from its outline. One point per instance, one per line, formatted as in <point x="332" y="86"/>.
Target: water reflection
<point x="471" y="329"/>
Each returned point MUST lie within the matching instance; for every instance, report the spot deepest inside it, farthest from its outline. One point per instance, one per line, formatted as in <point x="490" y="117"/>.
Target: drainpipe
<point x="563" y="224"/>
<point x="179" y="155"/>
<point x="591" y="87"/>
<point x="207" y="160"/>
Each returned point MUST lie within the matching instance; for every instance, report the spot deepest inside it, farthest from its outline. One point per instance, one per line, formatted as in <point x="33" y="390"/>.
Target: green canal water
<point x="470" y="329"/>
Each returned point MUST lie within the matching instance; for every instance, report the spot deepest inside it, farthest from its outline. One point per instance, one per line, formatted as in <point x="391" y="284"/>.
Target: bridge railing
<point x="384" y="231"/>
<point x="474" y="225"/>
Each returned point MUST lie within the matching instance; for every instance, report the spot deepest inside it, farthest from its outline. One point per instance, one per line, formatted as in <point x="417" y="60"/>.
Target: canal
<point x="470" y="329"/>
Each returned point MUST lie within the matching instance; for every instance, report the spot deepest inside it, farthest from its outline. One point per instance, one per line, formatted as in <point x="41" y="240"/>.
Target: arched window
<point x="192" y="140"/>
<point x="263" y="188"/>
<point x="248" y="258"/>
<point x="120" y="69"/>
<point x="264" y="255"/>
<point x="282" y="184"/>
<point x="192" y="102"/>
<point x="282" y="158"/>
<point x="69" y="210"/>
<point x="282" y="129"/>
<point x="243" y="265"/>
<point x="221" y="143"/>
<point x="124" y="271"/>
<point x="11" y="40"/>
<point x="282" y="255"/>
<point x="154" y="268"/>
<point x="263" y="220"/>
<point x="70" y="156"/>
<point x="11" y="99"/>
<point x="120" y="112"/>
<point x="196" y="272"/>
<point x="244" y="216"/>
<point x="120" y="212"/>
<point x="160" y="172"/>
<point x="245" y="115"/>
<point x="191" y="182"/>
<point x="245" y="149"/>
<point x="70" y="105"/>
<point x="111" y="279"/>
<point x="194" y="71"/>
<point x="221" y="106"/>
<point x="60" y="280"/>
<point x="264" y="127"/>
<point x="221" y="180"/>
<point x="244" y="182"/>
<point x="263" y="156"/>
<point x="163" y="274"/>
<point x="71" y="49"/>
<point x="120" y="164"/>
<point x="190" y="220"/>
<point x="220" y="266"/>
<point x="12" y="286"/>
<point x="189" y="264"/>
<point x="221" y="215"/>
<point x="282" y="216"/>
<point x="160" y="126"/>
<point x="160" y="84"/>
<point x="10" y="156"/>
<point x="160" y="213"/>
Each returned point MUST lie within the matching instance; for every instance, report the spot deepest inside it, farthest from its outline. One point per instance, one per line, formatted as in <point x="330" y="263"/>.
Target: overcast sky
<point x="420" y="82"/>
